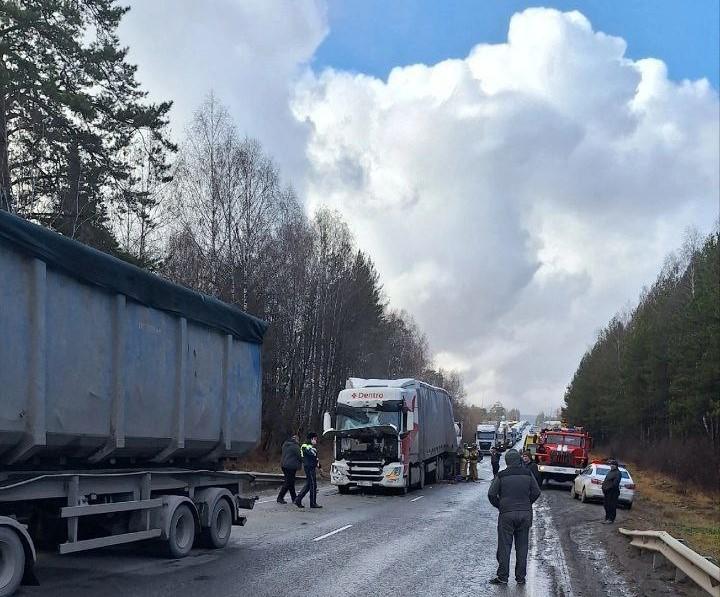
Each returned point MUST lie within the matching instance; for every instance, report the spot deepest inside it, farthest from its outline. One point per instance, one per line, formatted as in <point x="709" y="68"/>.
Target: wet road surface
<point x="436" y="541"/>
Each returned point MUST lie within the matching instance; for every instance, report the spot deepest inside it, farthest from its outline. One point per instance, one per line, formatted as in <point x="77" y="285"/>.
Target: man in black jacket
<point x="494" y="460"/>
<point x="290" y="463"/>
<point x="611" y="491"/>
<point x="513" y="491"/>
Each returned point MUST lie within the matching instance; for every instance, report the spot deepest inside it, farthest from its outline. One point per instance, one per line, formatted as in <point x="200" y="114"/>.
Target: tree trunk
<point x="6" y="200"/>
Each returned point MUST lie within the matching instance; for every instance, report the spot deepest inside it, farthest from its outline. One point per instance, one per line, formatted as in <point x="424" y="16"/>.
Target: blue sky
<point x="372" y="36"/>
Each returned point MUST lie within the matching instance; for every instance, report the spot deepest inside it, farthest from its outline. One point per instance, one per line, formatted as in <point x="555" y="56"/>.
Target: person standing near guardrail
<point x="290" y="463"/>
<point x="311" y="464"/>
<point x="611" y="491"/>
<point x="513" y="492"/>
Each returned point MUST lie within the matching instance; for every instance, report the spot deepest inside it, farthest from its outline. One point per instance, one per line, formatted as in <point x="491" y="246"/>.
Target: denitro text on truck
<point x="120" y="393"/>
<point x="391" y="433"/>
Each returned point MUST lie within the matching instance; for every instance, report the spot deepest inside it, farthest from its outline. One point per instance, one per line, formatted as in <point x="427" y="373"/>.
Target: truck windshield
<point x="486" y="435"/>
<point x="570" y="440"/>
<point x="360" y="418"/>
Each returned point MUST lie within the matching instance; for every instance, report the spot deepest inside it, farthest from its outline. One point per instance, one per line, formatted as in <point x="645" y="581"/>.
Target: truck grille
<point x="560" y="458"/>
<point x="365" y="471"/>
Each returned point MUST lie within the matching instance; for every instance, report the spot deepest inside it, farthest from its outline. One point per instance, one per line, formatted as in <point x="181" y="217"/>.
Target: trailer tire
<point x="12" y="561"/>
<point x="217" y="535"/>
<point x="181" y="534"/>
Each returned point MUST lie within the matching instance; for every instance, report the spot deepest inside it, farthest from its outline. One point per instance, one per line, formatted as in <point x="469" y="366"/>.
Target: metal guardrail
<point x="699" y="569"/>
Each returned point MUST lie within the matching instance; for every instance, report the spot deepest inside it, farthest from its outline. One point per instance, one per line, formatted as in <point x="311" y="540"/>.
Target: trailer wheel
<point x="217" y="535"/>
<point x="12" y="561"/>
<point x="182" y="532"/>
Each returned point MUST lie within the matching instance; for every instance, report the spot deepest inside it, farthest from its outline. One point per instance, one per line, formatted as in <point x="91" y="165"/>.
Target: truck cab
<point x="381" y="439"/>
<point x="486" y="437"/>
<point x="562" y="453"/>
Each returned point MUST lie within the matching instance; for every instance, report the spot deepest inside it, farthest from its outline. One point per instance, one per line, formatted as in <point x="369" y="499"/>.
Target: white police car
<point x="588" y="484"/>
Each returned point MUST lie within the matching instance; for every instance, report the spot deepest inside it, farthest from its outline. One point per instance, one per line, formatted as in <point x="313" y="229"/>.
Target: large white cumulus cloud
<point x="249" y="52"/>
<point x="516" y="198"/>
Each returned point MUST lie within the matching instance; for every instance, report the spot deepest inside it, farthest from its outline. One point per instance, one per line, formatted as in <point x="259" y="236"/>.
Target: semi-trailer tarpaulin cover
<point x="100" y="269"/>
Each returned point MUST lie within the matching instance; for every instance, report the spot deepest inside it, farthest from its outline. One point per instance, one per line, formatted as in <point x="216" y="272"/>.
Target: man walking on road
<point x="311" y="464"/>
<point x="494" y="460"/>
<point x="290" y="463"/>
<point x="611" y="491"/>
<point x="513" y="491"/>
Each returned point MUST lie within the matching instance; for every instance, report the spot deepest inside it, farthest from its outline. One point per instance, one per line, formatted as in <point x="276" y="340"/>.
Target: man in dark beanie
<point x="513" y="492"/>
<point x="311" y="463"/>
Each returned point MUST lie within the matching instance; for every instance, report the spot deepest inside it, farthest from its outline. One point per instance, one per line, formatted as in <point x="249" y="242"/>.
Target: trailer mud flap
<point x="245" y="503"/>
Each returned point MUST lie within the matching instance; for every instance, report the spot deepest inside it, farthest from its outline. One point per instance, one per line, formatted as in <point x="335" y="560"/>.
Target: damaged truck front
<point x="391" y="433"/>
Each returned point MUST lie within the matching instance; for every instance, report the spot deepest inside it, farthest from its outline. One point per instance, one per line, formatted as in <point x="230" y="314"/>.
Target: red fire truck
<point x="562" y="453"/>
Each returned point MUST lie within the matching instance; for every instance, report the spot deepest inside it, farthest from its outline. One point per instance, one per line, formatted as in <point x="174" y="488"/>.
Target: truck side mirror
<point x="410" y="421"/>
<point x="327" y="422"/>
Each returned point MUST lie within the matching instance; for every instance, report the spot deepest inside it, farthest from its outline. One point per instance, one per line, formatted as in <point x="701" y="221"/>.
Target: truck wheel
<point x="217" y="534"/>
<point x="12" y="561"/>
<point x="182" y="532"/>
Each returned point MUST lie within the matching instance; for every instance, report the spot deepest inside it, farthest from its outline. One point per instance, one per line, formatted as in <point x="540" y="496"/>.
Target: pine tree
<point x="70" y="109"/>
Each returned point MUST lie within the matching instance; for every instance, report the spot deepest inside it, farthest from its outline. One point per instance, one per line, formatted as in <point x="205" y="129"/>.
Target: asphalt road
<point x="437" y="541"/>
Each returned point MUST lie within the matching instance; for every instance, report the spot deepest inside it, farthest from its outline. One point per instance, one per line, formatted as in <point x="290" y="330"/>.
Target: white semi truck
<point x="391" y="433"/>
<point x="486" y="437"/>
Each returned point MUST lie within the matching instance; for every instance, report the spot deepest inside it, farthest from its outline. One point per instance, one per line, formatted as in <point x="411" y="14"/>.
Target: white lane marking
<point x="417" y="498"/>
<point x="347" y="526"/>
<point x="266" y="501"/>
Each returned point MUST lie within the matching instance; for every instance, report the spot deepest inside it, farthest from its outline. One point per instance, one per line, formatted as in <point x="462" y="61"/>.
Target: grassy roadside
<point x="667" y="504"/>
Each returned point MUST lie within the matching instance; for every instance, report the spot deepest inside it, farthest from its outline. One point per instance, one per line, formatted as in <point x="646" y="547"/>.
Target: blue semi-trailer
<point x="120" y="393"/>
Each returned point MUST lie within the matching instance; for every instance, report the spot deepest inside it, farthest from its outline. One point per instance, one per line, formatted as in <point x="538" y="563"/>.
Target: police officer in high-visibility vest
<point x="311" y="464"/>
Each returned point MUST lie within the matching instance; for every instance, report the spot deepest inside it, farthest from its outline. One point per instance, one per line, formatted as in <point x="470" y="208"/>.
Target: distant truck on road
<point x="120" y="394"/>
<point x="486" y="437"/>
<point x="391" y="433"/>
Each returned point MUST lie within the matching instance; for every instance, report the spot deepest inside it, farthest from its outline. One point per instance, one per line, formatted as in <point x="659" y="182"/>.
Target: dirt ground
<point x="600" y="559"/>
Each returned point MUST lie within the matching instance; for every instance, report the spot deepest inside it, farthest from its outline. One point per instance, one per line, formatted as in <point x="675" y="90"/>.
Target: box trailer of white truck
<point x="391" y="433"/>
<point x="119" y="394"/>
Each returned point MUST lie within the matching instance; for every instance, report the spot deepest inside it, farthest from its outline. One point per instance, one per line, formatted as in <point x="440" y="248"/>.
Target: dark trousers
<point x="310" y="486"/>
<point x="495" y="469"/>
<point x="288" y="485"/>
<point x="610" y="501"/>
<point x="513" y="526"/>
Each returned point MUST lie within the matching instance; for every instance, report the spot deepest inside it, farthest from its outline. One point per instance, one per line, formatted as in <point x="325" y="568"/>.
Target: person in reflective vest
<point x="311" y="464"/>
